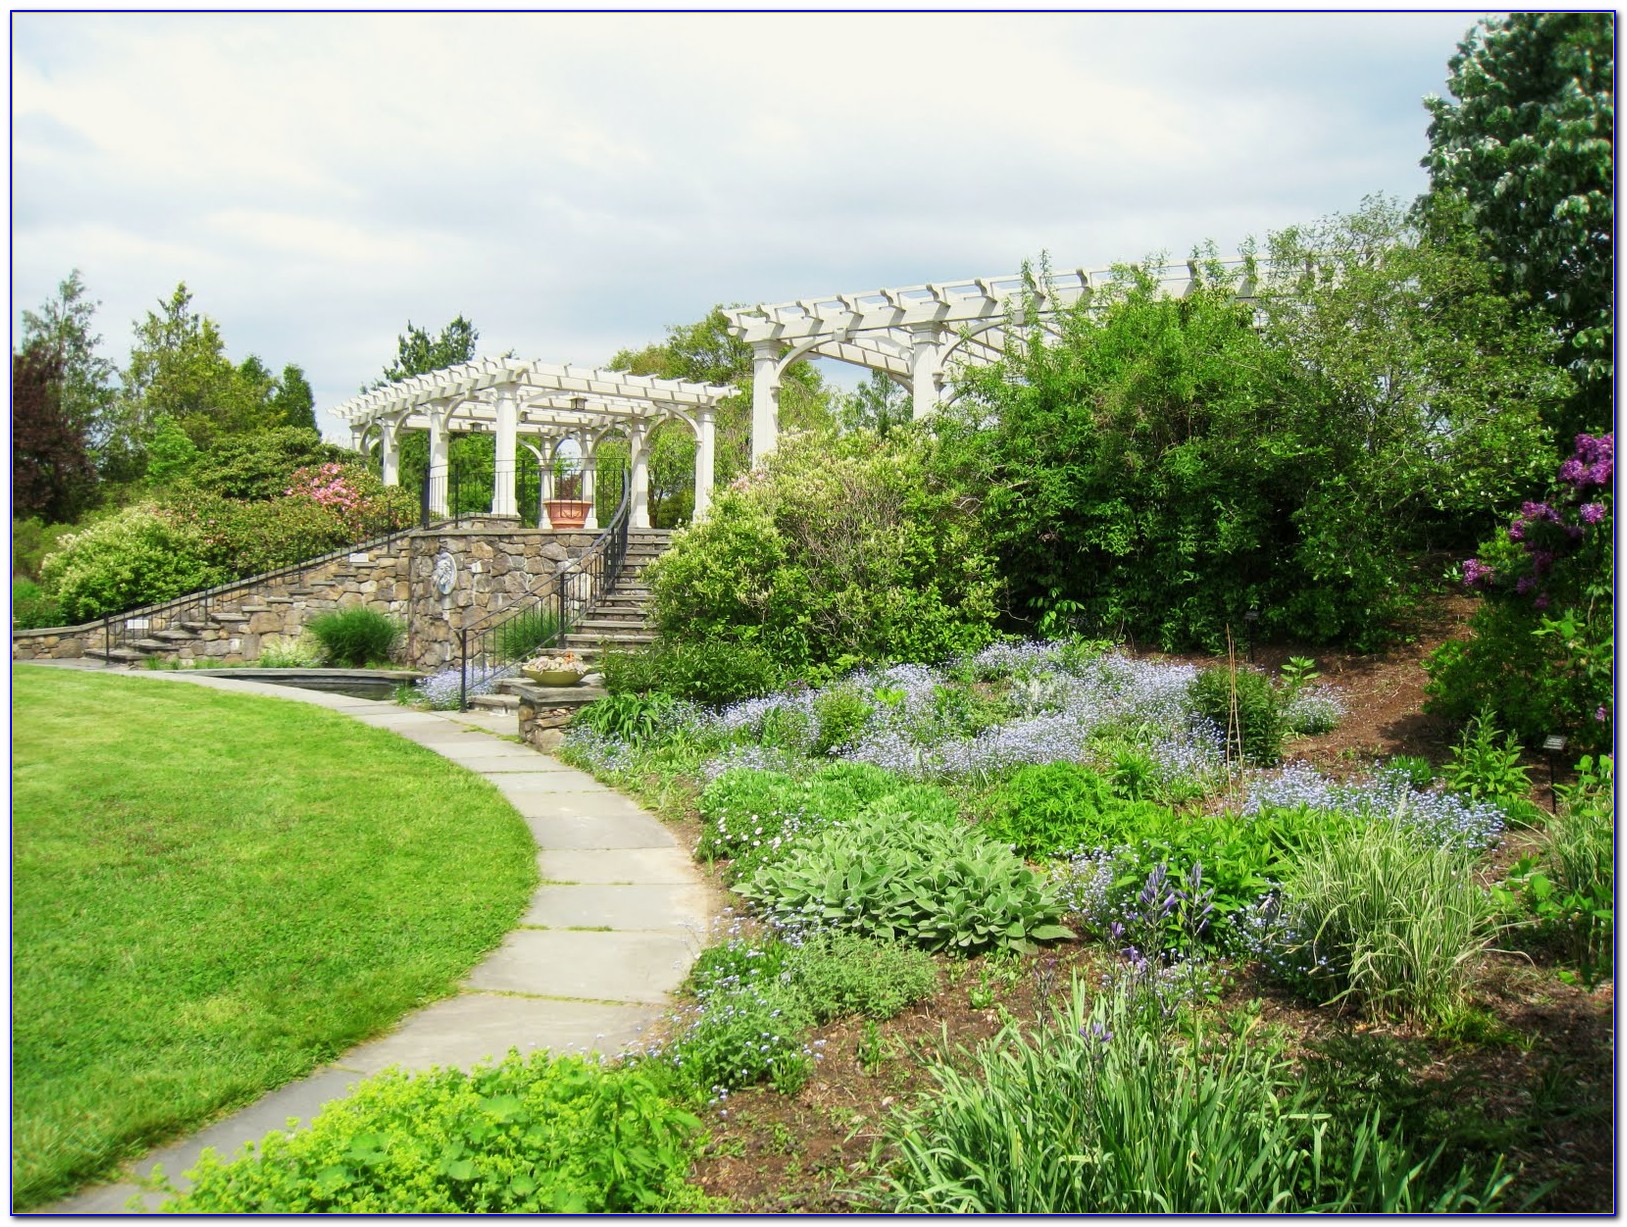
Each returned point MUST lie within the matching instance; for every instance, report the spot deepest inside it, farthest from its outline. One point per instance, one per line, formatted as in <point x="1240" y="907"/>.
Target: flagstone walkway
<point x="612" y="929"/>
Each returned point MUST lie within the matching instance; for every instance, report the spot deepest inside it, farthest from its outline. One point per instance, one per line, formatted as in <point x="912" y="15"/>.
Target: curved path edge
<point x="612" y="929"/>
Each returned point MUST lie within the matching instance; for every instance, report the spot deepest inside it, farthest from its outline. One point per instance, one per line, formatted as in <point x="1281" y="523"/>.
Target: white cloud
<point x="575" y="182"/>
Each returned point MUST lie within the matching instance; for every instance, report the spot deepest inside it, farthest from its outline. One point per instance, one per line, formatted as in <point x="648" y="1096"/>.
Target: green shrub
<point x="845" y="973"/>
<point x="750" y="814"/>
<point x="1387" y="919"/>
<point x="1482" y="768"/>
<point x="1542" y="652"/>
<point x="1254" y="729"/>
<point x="1567" y="890"/>
<point x="1418" y="771"/>
<point x="840" y="714"/>
<point x="706" y="672"/>
<point x="355" y="637"/>
<point x="1050" y="808"/>
<point x="934" y="886"/>
<point x="738" y="962"/>
<point x="524" y="1135"/>
<point x="915" y="802"/>
<point x="32" y="606"/>
<point x="32" y="539"/>
<point x="842" y="548"/>
<point x="1102" y="1113"/>
<point x="259" y="466"/>
<point x="635" y="719"/>
<point x="136" y="557"/>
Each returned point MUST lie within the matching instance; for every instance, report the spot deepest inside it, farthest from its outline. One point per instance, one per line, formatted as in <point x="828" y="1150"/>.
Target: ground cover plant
<point x="1196" y="884"/>
<point x="212" y="894"/>
<point x="356" y="637"/>
<point x="518" y="1136"/>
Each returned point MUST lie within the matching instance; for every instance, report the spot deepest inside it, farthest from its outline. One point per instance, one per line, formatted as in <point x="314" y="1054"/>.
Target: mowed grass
<point x="212" y="894"/>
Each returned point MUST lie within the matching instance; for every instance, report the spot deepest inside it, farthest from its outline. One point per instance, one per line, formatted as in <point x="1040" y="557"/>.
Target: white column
<point x="638" y="514"/>
<point x="705" y="453"/>
<point x="590" y="479"/>
<point x="924" y="363"/>
<point x="545" y="479"/>
<point x="389" y="453"/>
<point x="440" y="462"/>
<point x="508" y="431"/>
<point x="358" y="437"/>
<point x="765" y="399"/>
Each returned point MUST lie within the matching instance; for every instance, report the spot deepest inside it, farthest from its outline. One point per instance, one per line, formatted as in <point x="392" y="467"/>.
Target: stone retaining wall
<point x="492" y="563"/>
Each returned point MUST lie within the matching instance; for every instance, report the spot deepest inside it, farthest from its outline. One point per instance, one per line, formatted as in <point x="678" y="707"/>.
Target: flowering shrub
<point x="1543" y="650"/>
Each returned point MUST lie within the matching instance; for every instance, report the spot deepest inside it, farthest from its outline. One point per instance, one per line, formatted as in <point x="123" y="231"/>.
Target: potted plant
<point x="557" y="669"/>
<point x="569" y="509"/>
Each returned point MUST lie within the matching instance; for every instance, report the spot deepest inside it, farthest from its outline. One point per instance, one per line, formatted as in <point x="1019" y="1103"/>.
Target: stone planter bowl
<point x="554" y="677"/>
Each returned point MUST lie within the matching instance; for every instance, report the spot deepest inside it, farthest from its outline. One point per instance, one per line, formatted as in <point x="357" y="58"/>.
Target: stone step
<point x="120" y="656"/>
<point x="150" y="645"/>
<point x="176" y="635"/>
<point x="194" y="625"/>
<point x="254" y="608"/>
<point x="496" y="702"/>
<point x="603" y="625"/>
<point x="229" y="619"/>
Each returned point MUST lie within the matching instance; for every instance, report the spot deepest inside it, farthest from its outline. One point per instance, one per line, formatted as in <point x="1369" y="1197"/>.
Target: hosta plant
<point x="934" y="886"/>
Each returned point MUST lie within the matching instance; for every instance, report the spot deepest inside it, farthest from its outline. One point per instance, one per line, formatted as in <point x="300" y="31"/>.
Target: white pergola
<point x="538" y="406"/>
<point x="912" y="334"/>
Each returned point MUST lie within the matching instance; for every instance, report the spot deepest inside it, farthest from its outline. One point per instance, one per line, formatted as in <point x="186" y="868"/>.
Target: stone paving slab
<point x="665" y="906"/>
<point x="625" y="831"/>
<point x="589" y="965"/>
<point x="520" y="761"/>
<point x="302" y="1099"/>
<point x="636" y="866"/>
<point x="538" y="795"/>
<point x="475" y="1027"/>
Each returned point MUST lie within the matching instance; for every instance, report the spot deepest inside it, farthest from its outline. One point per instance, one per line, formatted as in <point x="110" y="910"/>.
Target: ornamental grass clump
<point x="1105" y="1110"/>
<point x="356" y="637"/>
<point x="1383" y="917"/>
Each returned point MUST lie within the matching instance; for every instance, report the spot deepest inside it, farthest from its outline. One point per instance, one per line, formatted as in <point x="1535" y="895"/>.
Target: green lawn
<point x="212" y="894"/>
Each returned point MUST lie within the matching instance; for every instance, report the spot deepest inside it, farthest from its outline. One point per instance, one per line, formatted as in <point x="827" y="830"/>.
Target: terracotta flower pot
<point x="567" y="513"/>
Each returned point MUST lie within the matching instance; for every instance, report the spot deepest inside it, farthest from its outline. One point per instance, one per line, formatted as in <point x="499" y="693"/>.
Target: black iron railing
<point x="496" y="645"/>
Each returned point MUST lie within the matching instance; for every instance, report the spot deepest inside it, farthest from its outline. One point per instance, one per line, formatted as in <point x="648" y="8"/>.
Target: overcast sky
<point x="575" y="183"/>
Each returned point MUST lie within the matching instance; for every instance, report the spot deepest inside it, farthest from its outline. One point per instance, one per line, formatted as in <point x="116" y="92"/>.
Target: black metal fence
<point x="497" y="644"/>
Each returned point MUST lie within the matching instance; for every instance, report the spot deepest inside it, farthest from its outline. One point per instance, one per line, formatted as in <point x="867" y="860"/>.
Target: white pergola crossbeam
<point x="511" y="398"/>
<point x="915" y="333"/>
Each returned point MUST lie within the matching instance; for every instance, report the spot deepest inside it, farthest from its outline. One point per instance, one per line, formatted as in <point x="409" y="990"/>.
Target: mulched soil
<point x="1535" y="1080"/>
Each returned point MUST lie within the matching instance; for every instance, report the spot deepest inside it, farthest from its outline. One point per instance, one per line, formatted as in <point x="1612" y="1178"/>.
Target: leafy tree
<point x="292" y="402"/>
<point x="418" y="353"/>
<point x="472" y="455"/>
<point x="51" y="473"/>
<point x="178" y="367"/>
<point x="171" y="454"/>
<point x="1526" y="141"/>
<point x="878" y="404"/>
<point x="707" y="352"/>
<point x="1165" y="466"/>
<point x="63" y="325"/>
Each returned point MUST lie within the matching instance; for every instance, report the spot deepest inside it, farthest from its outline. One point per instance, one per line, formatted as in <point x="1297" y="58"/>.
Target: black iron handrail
<point x="496" y="644"/>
